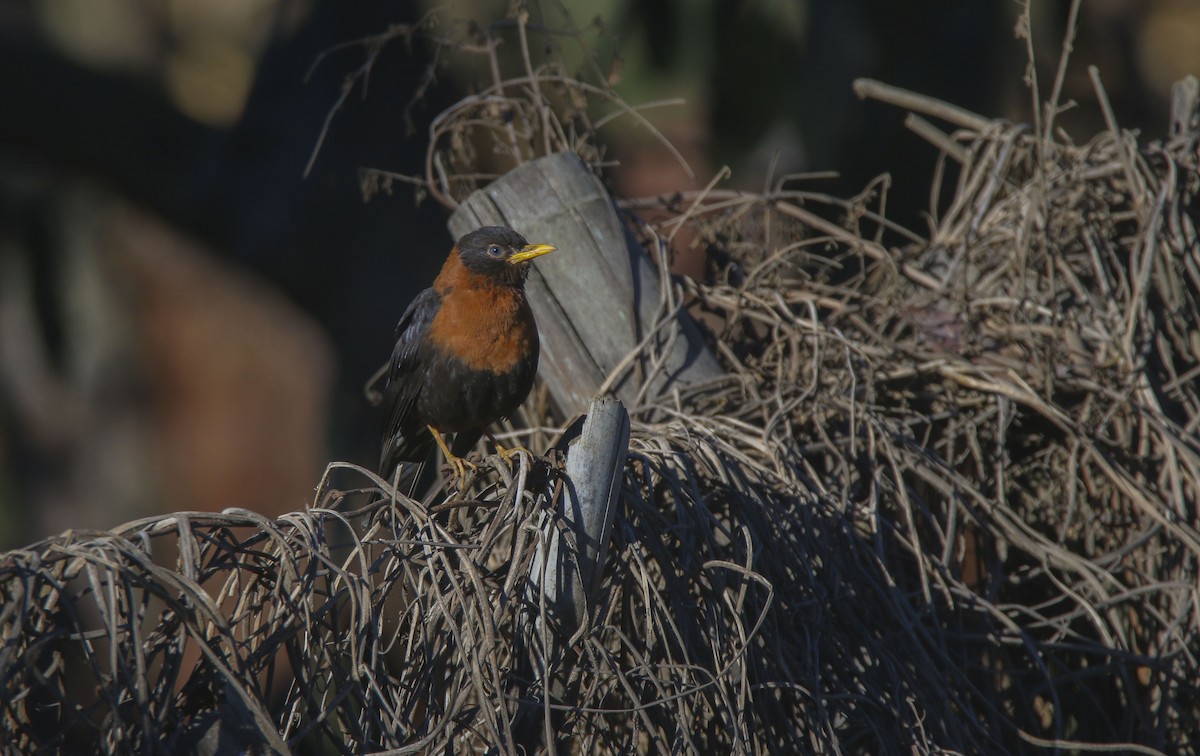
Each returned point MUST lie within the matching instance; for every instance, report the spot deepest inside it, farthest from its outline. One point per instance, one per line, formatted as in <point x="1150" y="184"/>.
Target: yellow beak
<point x="530" y="252"/>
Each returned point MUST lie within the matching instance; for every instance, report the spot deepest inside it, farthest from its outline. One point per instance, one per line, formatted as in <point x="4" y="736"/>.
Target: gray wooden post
<point x="568" y="574"/>
<point x="595" y="298"/>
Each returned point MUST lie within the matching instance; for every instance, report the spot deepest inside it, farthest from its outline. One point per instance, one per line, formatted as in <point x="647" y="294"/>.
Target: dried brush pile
<point x="999" y="423"/>
<point x="945" y="501"/>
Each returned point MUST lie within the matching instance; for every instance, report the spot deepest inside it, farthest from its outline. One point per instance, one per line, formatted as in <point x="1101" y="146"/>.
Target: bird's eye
<point x="494" y="251"/>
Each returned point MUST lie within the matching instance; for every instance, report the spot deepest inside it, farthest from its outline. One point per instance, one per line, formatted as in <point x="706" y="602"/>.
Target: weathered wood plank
<point x="595" y="298"/>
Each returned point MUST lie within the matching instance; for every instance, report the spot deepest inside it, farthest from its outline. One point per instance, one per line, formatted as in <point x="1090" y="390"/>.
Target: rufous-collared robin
<point x="466" y="350"/>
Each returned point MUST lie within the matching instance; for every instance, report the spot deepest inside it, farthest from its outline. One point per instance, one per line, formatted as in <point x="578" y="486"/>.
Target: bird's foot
<point x="508" y="455"/>
<point x="511" y="455"/>
<point x="460" y="465"/>
<point x="457" y="464"/>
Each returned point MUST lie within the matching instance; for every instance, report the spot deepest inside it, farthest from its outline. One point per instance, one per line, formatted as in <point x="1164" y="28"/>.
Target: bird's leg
<point x="459" y="464"/>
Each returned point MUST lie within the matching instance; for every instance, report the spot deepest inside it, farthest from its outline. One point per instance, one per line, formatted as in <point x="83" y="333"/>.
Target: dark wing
<point x="403" y="437"/>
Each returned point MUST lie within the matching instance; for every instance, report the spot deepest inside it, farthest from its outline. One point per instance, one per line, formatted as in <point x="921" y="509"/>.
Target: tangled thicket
<point x="945" y="501"/>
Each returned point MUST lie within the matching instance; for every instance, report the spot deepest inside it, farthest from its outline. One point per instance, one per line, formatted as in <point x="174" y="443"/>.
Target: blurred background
<point x="192" y="294"/>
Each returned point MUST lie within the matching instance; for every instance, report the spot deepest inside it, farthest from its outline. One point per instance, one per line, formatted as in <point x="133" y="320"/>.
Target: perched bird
<point x="466" y="350"/>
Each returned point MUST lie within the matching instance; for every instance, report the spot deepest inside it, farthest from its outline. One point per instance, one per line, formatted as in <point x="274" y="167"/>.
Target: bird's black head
<point x="499" y="253"/>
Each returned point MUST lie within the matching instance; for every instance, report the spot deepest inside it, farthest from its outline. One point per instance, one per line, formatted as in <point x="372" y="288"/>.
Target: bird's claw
<point x="459" y="465"/>
<point x="508" y="455"/>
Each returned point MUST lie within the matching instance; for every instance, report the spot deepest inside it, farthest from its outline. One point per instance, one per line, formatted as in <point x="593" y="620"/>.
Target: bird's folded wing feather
<point x="402" y="389"/>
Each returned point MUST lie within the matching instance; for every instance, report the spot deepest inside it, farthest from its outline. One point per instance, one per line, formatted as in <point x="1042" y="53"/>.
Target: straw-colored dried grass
<point x="945" y="501"/>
